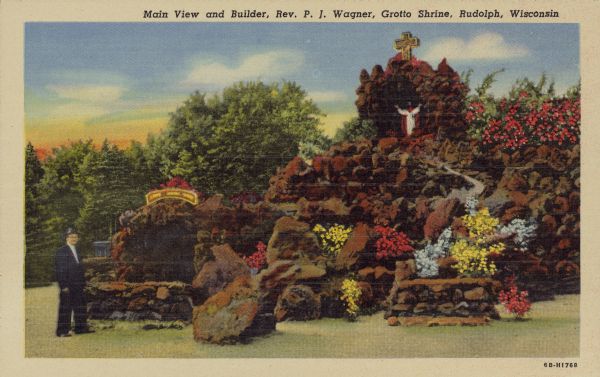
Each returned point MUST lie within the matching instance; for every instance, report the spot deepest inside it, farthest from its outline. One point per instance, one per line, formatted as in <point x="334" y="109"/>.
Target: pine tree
<point x="108" y="189"/>
<point x="38" y="267"/>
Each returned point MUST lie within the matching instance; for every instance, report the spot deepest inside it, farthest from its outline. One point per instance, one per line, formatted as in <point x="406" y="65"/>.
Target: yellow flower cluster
<point x="480" y="225"/>
<point x="334" y="238"/>
<point x="350" y="295"/>
<point x="472" y="254"/>
<point x="472" y="259"/>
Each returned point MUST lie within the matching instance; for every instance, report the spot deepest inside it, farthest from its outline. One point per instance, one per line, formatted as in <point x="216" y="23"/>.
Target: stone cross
<point x="405" y="45"/>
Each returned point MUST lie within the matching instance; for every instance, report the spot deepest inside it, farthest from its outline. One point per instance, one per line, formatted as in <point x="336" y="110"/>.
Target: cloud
<point x="87" y="77"/>
<point x="77" y="110"/>
<point x="327" y="96"/>
<point x="485" y="46"/>
<point x="264" y="66"/>
<point x="88" y="93"/>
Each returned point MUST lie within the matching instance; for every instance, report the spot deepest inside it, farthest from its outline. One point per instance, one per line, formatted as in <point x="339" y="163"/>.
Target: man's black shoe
<point x="63" y="335"/>
<point x="85" y="331"/>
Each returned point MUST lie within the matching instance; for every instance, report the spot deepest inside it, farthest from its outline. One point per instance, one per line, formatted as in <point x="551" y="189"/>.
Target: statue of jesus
<point x="408" y="118"/>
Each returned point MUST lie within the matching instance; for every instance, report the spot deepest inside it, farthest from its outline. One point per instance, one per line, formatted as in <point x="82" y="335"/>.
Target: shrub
<point x="485" y="234"/>
<point x="258" y="259"/>
<point x="351" y="295"/>
<point x="531" y="114"/>
<point x="515" y="301"/>
<point x="472" y="254"/>
<point x="332" y="238"/>
<point x="520" y="122"/>
<point x="391" y="243"/>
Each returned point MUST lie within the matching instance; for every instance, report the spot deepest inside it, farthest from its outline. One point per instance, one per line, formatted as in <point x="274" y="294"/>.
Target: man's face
<point x="72" y="239"/>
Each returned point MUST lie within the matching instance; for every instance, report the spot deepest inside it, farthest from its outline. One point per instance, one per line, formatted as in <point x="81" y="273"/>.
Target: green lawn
<point x="553" y="331"/>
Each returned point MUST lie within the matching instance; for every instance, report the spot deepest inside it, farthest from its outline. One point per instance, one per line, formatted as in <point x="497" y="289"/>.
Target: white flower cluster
<point x="426" y="258"/>
<point x="471" y="205"/>
<point x="523" y="230"/>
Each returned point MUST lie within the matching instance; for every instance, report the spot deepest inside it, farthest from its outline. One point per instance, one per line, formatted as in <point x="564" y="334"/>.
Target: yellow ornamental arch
<point x="172" y="193"/>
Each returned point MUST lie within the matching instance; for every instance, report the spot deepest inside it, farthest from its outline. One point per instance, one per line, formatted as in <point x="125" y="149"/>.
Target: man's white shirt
<point x="74" y="252"/>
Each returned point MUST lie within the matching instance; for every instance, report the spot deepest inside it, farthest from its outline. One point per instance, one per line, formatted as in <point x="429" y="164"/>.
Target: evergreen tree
<point x="38" y="267"/>
<point x="108" y="188"/>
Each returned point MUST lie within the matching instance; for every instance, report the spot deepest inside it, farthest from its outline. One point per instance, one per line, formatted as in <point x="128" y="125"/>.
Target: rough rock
<point x="353" y="247"/>
<point x="440" y="218"/>
<point x="162" y="293"/>
<point x="218" y="273"/>
<point x="405" y="269"/>
<point x="292" y="240"/>
<point x="232" y="314"/>
<point x="298" y="303"/>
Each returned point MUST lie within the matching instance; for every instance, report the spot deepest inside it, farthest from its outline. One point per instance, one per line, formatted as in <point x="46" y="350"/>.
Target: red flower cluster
<point x="177" y="182"/>
<point x="519" y="122"/>
<point x="391" y="243"/>
<point x="259" y="258"/>
<point x="515" y="302"/>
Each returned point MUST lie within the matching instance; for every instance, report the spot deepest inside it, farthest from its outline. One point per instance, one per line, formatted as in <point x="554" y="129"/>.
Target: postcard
<point x="279" y="187"/>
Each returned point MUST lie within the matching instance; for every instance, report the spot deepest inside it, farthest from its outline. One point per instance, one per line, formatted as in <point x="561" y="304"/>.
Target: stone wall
<point x="162" y="301"/>
<point x="456" y="297"/>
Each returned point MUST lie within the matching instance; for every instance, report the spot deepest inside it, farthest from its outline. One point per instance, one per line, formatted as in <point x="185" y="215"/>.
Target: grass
<point x="552" y="331"/>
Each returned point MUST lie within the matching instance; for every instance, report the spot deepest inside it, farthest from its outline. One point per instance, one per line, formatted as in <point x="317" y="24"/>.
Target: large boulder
<point x="246" y="306"/>
<point x="233" y="314"/>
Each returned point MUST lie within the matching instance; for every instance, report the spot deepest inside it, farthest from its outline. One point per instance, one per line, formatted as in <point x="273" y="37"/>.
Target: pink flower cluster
<point x="259" y="258"/>
<point x="515" y="302"/>
<point x="475" y="111"/>
<point x="391" y="243"/>
<point x="520" y="122"/>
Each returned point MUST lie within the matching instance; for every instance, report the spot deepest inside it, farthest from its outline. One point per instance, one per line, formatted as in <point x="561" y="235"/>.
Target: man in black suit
<point x="71" y="280"/>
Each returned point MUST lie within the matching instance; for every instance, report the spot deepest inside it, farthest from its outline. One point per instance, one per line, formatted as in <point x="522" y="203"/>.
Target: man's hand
<point x="64" y="290"/>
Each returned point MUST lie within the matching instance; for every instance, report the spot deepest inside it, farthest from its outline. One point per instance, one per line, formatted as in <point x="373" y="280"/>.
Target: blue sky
<point x="120" y="80"/>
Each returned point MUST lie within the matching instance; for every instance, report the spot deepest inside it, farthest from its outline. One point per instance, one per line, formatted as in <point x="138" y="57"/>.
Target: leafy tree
<point x="355" y="129"/>
<point x="55" y="201"/>
<point x="59" y="188"/>
<point x="234" y="142"/>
